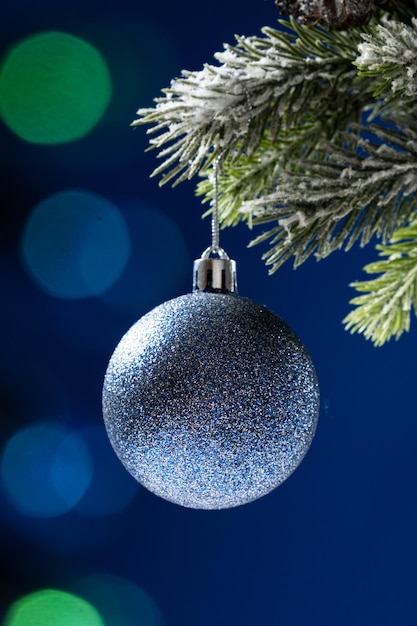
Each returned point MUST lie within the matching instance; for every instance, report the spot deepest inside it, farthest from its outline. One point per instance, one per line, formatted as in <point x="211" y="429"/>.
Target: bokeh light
<point x="119" y="601"/>
<point x="45" y="469"/>
<point x="54" y="88"/>
<point x="51" y="607"/>
<point x="159" y="265"/>
<point x="112" y="488"/>
<point x="75" y="244"/>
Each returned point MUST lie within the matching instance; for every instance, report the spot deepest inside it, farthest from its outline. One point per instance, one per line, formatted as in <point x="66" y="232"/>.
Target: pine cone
<point x="332" y="14"/>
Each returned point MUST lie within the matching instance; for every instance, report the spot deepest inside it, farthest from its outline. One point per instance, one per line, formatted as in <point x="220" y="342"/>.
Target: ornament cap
<point x="214" y="272"/>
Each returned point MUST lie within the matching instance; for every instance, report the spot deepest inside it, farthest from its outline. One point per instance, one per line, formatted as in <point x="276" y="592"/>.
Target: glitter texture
<point x="210" y="400"/>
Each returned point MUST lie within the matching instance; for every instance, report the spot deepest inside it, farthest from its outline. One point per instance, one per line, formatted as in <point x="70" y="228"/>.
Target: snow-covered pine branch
<point x="344" y="196"/>
<point x="261" y="85"/>
<point x="389" y="54"/>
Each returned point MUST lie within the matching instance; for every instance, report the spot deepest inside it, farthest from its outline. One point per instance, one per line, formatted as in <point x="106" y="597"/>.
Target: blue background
<point x="335" y="545"/>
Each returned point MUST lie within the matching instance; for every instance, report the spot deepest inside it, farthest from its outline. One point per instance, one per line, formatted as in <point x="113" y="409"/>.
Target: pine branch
<point x="340" y="196"/>
<point x="247" y="177"/>
<point x="384" y="309"/>
<point x="262" y="85"/>
<point x="389" y="54"/>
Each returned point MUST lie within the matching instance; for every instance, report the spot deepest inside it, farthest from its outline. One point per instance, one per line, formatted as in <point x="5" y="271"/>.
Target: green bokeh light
<point x="50" y="607"/>
<point x="54" y="88"/>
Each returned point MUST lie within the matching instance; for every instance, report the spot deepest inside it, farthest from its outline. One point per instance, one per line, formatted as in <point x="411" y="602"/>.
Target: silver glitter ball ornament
<point x="210" y="400"/>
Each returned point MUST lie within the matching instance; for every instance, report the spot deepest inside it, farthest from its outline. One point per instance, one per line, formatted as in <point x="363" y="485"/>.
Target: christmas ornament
<point x="210" y="400"/>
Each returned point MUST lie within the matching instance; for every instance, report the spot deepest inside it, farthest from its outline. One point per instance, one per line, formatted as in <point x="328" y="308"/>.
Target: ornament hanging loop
<point x="214" y="271"/>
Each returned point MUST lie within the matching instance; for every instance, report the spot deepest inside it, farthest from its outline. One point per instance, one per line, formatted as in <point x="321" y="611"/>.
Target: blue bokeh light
<point x="75" y="244"/>
<point x="45" y="469"/>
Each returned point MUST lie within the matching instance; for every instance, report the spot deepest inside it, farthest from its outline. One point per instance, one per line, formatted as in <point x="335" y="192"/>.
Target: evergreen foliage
<point x="384" y="309"/>
<point x="316" y="132"/>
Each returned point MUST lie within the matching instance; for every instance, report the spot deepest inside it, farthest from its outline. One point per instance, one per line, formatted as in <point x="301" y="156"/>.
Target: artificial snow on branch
<point x="262" y="85"/>
<point x="289" y="113"/>
<point x="390" y="54"/>
<point x="342" y="196"/>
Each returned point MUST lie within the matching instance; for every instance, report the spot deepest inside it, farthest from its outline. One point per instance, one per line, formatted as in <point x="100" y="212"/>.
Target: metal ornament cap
<point x="210" y="400"/>
<point x="214" y="272"/>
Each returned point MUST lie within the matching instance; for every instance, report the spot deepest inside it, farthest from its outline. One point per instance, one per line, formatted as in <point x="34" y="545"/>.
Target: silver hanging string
<point x="214" y="271"/>
<point x="215" y="227"/>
